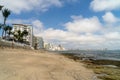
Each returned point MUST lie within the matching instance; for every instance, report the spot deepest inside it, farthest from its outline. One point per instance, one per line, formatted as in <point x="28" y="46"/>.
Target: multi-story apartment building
<point x="26" y="27"/>
<point x="38" y="42"/>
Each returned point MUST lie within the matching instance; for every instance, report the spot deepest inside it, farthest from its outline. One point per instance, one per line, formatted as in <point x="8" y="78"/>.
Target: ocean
<point x="97" y="54"/>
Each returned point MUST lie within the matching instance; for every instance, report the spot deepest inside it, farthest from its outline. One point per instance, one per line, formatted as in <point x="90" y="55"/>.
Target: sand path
<point x="19" y="64"/>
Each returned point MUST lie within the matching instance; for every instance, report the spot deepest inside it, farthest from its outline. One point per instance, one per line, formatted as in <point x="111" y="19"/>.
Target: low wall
<point x="4" y="43"/>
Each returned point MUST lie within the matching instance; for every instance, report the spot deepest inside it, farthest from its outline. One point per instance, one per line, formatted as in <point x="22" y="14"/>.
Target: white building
<point x="26" y="27"/>
<point x="52" y="47"/>
<point x="47" y="46"/>
<point x="38" y="42"/>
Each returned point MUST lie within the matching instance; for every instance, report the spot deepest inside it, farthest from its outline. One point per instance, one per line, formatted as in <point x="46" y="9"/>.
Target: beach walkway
<point x="19" y="64"/>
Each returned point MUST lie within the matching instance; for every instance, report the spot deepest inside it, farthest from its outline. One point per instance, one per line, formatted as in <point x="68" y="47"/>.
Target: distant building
<point x="59" y="47"/>
<point x="52" y="47"/>
<point x="26" y="27"/>
<point x="38" y="42"/>
<point x="47" y="46"/>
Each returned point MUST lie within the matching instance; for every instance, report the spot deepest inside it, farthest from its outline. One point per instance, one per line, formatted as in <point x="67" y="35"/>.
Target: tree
<point x="1" y="7"/>
<point x="1" y="26"/>
<point x="25" y="33"/>
<point x="5" y="13"/>
<point x="19" y="35"/>
<point x="5" y="29"/>
<point x="9" y="31"/>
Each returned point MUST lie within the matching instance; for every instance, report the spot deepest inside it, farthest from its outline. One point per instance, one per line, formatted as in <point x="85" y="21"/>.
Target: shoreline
<point x="94" y="60"/>
<point x="104" y="69"/>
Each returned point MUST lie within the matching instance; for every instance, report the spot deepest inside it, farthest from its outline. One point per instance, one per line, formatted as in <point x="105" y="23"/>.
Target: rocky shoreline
<point x="105" y="69"/>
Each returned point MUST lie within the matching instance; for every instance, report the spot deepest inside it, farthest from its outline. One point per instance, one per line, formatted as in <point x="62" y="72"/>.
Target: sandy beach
<point x="20" y="64"/>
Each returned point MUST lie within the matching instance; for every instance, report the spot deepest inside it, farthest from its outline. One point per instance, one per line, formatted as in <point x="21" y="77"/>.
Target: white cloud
<point x="54" y="34"/>
<point x="107" y="37"/>
<point x="113" y="36"/>
<point x="18" y="6"/>
<point x="80" y="24"/>
<point x="105" y="5"/>
<point x="70" y="39"/>
<point x="111" y="28"/>
<point x="61" y="35"/>
<point x="109" y="18"/>
<point x="37" y="27"/>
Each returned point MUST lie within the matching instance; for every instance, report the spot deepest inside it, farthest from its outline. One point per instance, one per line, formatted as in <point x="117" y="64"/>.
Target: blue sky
<point x="79" y="24"/>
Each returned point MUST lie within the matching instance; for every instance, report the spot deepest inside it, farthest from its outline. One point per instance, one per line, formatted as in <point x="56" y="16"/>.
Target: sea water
<point x="97" y="54"/>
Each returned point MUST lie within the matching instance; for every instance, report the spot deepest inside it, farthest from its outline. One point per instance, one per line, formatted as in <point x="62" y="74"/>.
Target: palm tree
<point x="5" y="29"/>
<point x="5" y="13"/>
<point x="1" y="26"/>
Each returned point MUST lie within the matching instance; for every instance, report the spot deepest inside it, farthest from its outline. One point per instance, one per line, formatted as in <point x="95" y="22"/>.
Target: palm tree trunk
<point x="3" y="28"/>
<point x="2" y="33"/>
